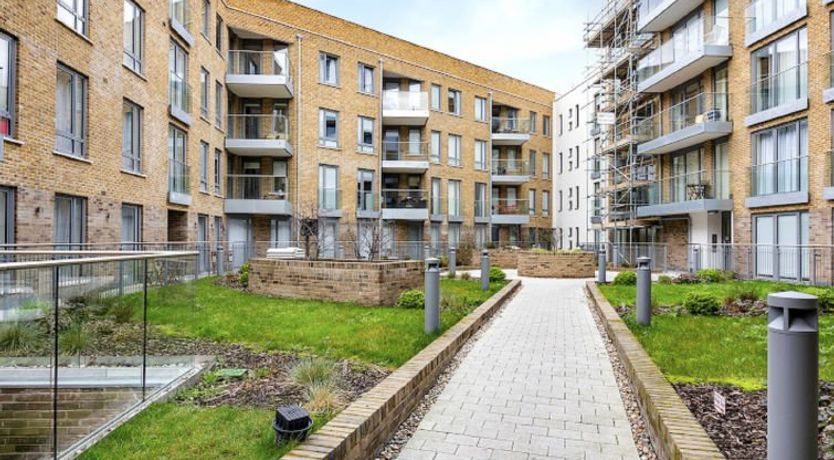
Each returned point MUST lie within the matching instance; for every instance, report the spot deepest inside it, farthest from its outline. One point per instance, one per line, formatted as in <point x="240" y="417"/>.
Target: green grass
<point x="169" y="431"/>
<point x="715" y="349"/>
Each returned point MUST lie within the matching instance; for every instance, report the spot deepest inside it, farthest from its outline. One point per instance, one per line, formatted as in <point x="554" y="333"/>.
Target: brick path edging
<point x="675" y="432"/>
<point x="367" y="423"/>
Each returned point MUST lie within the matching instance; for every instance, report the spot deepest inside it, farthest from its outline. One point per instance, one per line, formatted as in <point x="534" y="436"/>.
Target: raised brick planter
<point x="364" y="426"/>
<point x="539" y="264"/>
<point x="504" y="258"/>
<point x="675" y="432"/>
<point x="363" y="282"/>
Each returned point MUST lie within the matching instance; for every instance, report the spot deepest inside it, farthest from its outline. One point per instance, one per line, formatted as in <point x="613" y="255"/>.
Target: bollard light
<point x="431" y="302"/>
<point x="485" y="270"/>
<point x="792" y="376"/>
<point x="644" y="291"/>
<point x="601" y="265"/>
<point x="453" y="262"/>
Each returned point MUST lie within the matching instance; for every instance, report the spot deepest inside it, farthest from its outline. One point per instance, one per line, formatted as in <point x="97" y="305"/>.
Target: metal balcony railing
<point x="509" y="207"/>
<point x="256" y="187"/>
<point x="676" y="50"/>
<point x="510" y="168"/>
<point x="762" y="13"/>
<point x="781" y="176"/>
<point x="366" y="201"/>
<point x="405" y="151"/>
<point x="259" y="127"/>
<point x="179" y="92"/>
<point x="405" y="100"/>
<point x="330" y="199"/>
<point x="699" y="109"/>
<point x="405" y="199"/>
<point x="511" y="126"/>
<point x="778" y="89"/>
<point x="244" y="62"/>
<point x="697" y="185"/>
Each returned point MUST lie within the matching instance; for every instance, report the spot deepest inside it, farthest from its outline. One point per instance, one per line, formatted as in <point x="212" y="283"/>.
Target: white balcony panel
<point x="179" y="198"/>
<point x="260" y="86"/>
<point x="405" y="167"/>
<point x="416" y="214"/>
<point x="686" y="137"/>
<point x="686" y="68"/>
<point x="405" y="117"/>
<point x="509" y="138"/>
<point x="278" y="148"/>
<point x="663" y="15"/>
<point x="271" y="207"/>
<point x="684" y="207"/>
<point x="510" y="180"/>
<point x="510" y="219"/>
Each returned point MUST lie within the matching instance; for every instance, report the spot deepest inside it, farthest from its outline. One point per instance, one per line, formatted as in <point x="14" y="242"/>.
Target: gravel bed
<point x="639" y="430"/>
<point x="406" y="430"/>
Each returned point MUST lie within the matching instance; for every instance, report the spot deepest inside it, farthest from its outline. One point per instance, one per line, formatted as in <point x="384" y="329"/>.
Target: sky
<point x="538" y="41"/>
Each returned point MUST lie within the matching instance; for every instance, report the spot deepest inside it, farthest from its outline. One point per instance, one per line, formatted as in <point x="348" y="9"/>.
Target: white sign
<point x="719" y="402"/>
<point x="606" y="118"/>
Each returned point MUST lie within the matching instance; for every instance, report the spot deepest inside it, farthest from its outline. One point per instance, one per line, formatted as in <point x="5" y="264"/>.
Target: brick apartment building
<point x="238" y="119"/>
<point x="722" y="128"/>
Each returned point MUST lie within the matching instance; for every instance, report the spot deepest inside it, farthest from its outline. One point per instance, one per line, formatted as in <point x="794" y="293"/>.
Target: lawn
<point x="379" y="335"/>
<point x="716" y="349"/>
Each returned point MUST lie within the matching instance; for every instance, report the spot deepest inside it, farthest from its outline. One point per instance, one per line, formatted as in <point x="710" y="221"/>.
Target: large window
<point x="328" y="128"/>
<point x="545" y="203"/>
<point x="218" y="34"/>
<point x="480" y="200"/>
<point x="178" y="168"/>
<point x="74" y="14"/>
<point x="532" y="162"/>
<point x="480" y="154"/>
<point x="365" y="197"/>
<point x="365" y="141"/>
<point x="436" y="204"/>
<point x="70" y="222"/>
<point x="204" y="159"/>
<point x="782" y="245"/>
<point x="780" y="72"/>
<point x="134" y="22"/>
<point x="545" y="166"/>
<point x="435" y="146"/>
<point x="131" y="137"/>
<point x="435" y="97"/>
<point x="131" y="227"/>
<point x="531" y="201"/>
<point x="204" y="26"/>
<point x="454" y="102"/>
<point x="218" y="105"/>
<point x="480" y="109"/>
<point x="454" y="150"/>
<point x="366" y="79"/>
<point x="328" y="69"/>
<point x="218" y="170"/>
<point x="204" y="92"/>
<point x="780" y="159"/>
<point x="454" y="206"/>
<point x="7" y="82"/>
<point x="546" y="125"/>
<point x="70" y="112"/>
<point x="533" y="121"/>
<point x="178" y="77"/>
<point x="328" y="187"/>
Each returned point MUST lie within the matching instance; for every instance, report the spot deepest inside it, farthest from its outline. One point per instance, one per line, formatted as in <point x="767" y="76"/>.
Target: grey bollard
<point x="601" y="266"/>
<point x="696" y="256"/>
<point x="792" y="376"/>
<point x="432" y="296"/>
<point x="644" y="291"/>
<point x="485" y="270"/>
<point x="221" y="270"/>
<point x="453" y="262"/>
<point x="426" y="251"/>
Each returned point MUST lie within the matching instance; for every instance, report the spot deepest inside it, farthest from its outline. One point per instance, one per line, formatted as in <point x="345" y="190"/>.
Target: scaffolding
<point x="621" y="177"/>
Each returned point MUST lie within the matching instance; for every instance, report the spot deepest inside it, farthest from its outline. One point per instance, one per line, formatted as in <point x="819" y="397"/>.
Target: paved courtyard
<point x="537" y="384"/>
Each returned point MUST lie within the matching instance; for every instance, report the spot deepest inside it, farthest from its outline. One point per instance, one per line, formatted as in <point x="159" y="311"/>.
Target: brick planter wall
<point x="556" y="265"/>
<point x="366" y="283"/>
<point x="501" y="258"/>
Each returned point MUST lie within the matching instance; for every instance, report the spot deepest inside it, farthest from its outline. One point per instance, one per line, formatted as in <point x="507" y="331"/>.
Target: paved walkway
<point x="538" y="384"/>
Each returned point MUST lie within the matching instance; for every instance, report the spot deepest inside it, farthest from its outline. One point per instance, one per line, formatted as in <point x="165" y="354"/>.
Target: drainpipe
<point x="298" y="39"/>
<point x="488" y="192"/>
<point x="378" y="128"/>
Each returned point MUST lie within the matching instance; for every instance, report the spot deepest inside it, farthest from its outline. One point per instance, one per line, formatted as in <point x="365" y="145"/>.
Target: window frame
<point x="545" y="203"/>
<point x="531" y="159"/>
<point x="545" y="165"/>
<point x="78" y="216"/>
<point x="205" y="92"/>
<point x="179" y="53"/>
<point x="323" y="140"/>
<point x="132" y="60"/>
<point x="73" y="137"/>
<point x="481" y="109"/>
<point x="324" y="58"/>
<point x="454" y="155"/>
<point x="218" y="171"/>
<point x="533" y="121"/>
<point x="83" y="18"/>
<point x="362" y="81"/>
<point x="437" y="90"/>
<point x="453" y="200"/>
<point x="204" y="153"/>
<point x="361" y="146"/>
<point x="218" y="105"/>
<point x="205" y="27"/>
<point x="436" y="159"/>
<point x="132" y="158"/>
<point x="531" y="201"/>
<point x="9" y="114"/>
<point x="480" y="155"/>
<point x="218" y="33"/>
<point x="453" y="96"/>
<point x="546" y="125"/>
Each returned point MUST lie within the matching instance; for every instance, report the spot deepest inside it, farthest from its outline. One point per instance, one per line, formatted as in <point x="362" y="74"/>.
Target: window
<point x="204" y="92"/>
<point x="279" y="176"/>
<point x="204" y="153"/>
<point x="576" y="157"/>
<point x="134" y="35"/>
<point x="365" y="197"/>
<point x="70" y="222"/>
<point x="435" y="146"/>
<point x="218" y="105"/>
<point x="480" y="200"/>
<point x="480" y="109"/>
<point x="454" y="102"/>
<point x="545" y="165"/>
<point x="328" y="69"/>
<point x="131" y="227"/>
<point x="570" y="198"/>
<point x="435" y="97"/>
<point x="533" y="121"/>
<point x="570" y="159"/>
<point x="561" y="125"/>
<point x="780" y="159"/>
<point x="454" y="150"/>
<point x="177" y="157"/>
<point x="576" y="112"/>
<point x="454" y="235"/>
<point x="204" y="29"/>
<point x="70" y="112"/>
<point x="328" y="128"/>
<point x="366" y="79"/>
<point x="570" y="119"/>
<point x="561" y="163"/>
<point x="454" y="207"/>
<point x="531" y="200"/>
<point x="131" y="137"/>
<point x="74" y="14"/>
<point x="546" y="125"/>
<point x="218" y="34"/>
<point x="436" y="204"/>
<point x="532" y="162"/>
<point x="560" y="201"/>
<point x="480" y="155"/>
<point x="788" y="230"/>
<point x="780" y="72"/>
<point x="7" y="82"/>
<point x="178" y="77"/>
<point x="545" y="203"/>
<point x="365" y="142"/>
<point x="218" y="171"/>
<point x="328" y="187"/>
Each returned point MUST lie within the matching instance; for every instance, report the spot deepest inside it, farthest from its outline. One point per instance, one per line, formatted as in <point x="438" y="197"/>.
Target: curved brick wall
<point x="556" y="265"/>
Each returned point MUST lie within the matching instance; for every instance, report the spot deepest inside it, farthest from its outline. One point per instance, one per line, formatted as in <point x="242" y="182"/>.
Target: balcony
<point x="702" y="118"/>
<point x="510" y="131"/>
<point x="510" y="212"/>
<point x="178" y="189"/>
<point x="405" y="157"/>
<point x="257" y="194"/>
<point x="405" y="108"/>
<point x="330" y="202"/>
<point x="778" y="95"/>
<point x="405" y="204"/>
<point x="260" y="74"/>
<point x="510" y="172"/>
<point x="764" y="17"/>
<point x="179" y="98"/>
<point x="777" y="183"/>
<point x="698" y="192"/>
<point x="675" y="62"/>
<point x="259" y="135"/>
<point x="178" y="15"/>
<point x="659" y="15"/>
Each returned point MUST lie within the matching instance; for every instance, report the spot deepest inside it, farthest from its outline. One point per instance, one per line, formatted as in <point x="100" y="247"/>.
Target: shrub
<point x="687" y="278"/>
<point x="73" y="340"/>
<point x="451" y="275"/>
<point x="625" y="279"/>
<point x="699" y="303"/>
<point x="466" y="276"/>
<point x="323" y="398"/>
<point x="664" y="279"/>
<point x="313" y="371"/>
<point x="244" y="275"/>
<point x="444" y="261"/>
<point x="19" y="336"/>
<point x="496" y="275"/>
<point x="460" y="305"/>
<point x="712" y="275"/>
<point x="413" y="298"/>
<point x="121" y="311"/>
<point x="826" y="301"/>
